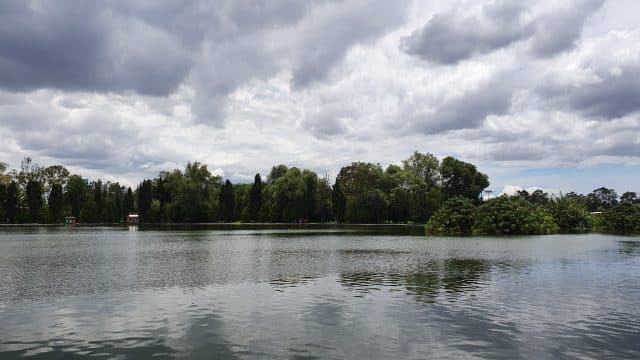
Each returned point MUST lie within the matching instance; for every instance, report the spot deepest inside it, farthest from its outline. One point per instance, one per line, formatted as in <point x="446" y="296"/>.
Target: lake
<point x="307" y="293"/>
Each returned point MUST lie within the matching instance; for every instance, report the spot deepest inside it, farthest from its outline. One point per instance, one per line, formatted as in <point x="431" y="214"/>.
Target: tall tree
<point x="241" y="203"/>
<point x="3" y="201"/>
<point x="227" y="201"/>
<point x="399" y="205"/>
<point x="601" y="198"/>
<point x="339" y="203"/>
<point x="287" y="196"/>
<point x="145" y="196"/>
<point x="29" y="171"/>
<point x="34" y="199"/>
<point x="129" y="203"/>
<point x="162" y="193"/>
<point x="323" y="200"/>
<point x="424" y="166"/>
<point x="193" y="194"/>
<point x="276" y="172"/>
<point x="359" y="178"/>
<point x="368" y="208"/>
<point x="75" y="192"/>
<point x="54" y="174"/>
<point x="89" y="212"/>
<point x="11" y="204"/>
<point x="4" y="178"/>
<point x="310" y="180"/>
<point x="98" y="198"/>
<point x="462" y="179"/>
<point x="629" y="197"/>
<point x="255" y="198"/>
<point x="114" y="199"/>
<point x="55" y="202"/>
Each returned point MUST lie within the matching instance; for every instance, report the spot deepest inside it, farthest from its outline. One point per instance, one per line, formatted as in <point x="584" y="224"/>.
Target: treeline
<point x="362" y="193"/>
<point x="446" y="194"/>
<point x="536" y="213"/>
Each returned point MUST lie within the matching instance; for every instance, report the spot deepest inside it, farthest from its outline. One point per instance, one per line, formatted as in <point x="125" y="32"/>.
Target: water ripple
<point x="243" y="295"/>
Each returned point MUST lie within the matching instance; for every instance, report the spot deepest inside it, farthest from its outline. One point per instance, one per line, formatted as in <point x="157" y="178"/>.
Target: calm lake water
<point x="330" y="294"/>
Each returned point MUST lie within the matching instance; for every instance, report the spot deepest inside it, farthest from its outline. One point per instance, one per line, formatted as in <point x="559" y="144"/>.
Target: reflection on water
<point x="433" y="278"/>
<point x="630" y="247"/>
<point x="110" y="293"/>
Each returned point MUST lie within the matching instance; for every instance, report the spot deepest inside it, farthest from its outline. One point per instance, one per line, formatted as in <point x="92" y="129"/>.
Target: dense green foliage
<point x="506" y="215"/>
<point x="536" y="213"/>
<point x="570" y="213"/>
<point x="462" y="179"/>
<point x="446" y="195"/>
<point x="621" y="218"/>
<point x="455" y="217"/>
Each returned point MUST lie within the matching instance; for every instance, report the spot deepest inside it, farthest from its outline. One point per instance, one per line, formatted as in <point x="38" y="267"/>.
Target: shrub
<point x="512" y="216"/>
<point x="455" y="217"/>
<point x="570" y="213"/>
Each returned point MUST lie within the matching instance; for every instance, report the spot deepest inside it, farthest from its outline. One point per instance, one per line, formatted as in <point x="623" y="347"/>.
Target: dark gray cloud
<point x="151" y="47"/>
<point x="516" y="151"/>
<point x="82" y="46"/>
<point x="625" y="147"/>
<point x="447" y="38"/>
<point x="612" y="94"/>
<point x="467" y="110"/>
<point x="333" y="30"/>
<point x="95" y="142"/>
<point x="558" y="31"/>
<point x="450" y="37"/>
<point x="328" y="121"/>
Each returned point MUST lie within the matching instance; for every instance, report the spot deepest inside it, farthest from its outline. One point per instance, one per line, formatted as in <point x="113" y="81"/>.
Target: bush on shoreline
<point x="515" y="215"/>
<point x="455" y="217"/>
<point x="506" y="215"/>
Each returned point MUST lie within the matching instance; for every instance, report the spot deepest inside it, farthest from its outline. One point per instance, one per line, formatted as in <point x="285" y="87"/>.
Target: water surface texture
<point x="306" y="294"/>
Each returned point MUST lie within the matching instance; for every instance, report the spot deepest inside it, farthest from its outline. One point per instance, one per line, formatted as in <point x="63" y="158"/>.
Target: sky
<point x="535" y="94"/>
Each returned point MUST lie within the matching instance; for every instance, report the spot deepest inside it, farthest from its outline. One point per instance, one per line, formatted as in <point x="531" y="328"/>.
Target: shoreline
<point x="237" y="224"/>
<point x="399" y="229"/>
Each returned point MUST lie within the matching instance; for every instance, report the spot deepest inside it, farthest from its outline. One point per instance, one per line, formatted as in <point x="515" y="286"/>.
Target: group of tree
<point x="527" y="213"/>
<point x="445" y="194"/>
<point x="38" y="194"/>
<point x="362" y="193"/>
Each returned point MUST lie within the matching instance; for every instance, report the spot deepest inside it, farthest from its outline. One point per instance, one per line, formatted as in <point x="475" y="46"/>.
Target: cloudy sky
<point x="537" y="93"/>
